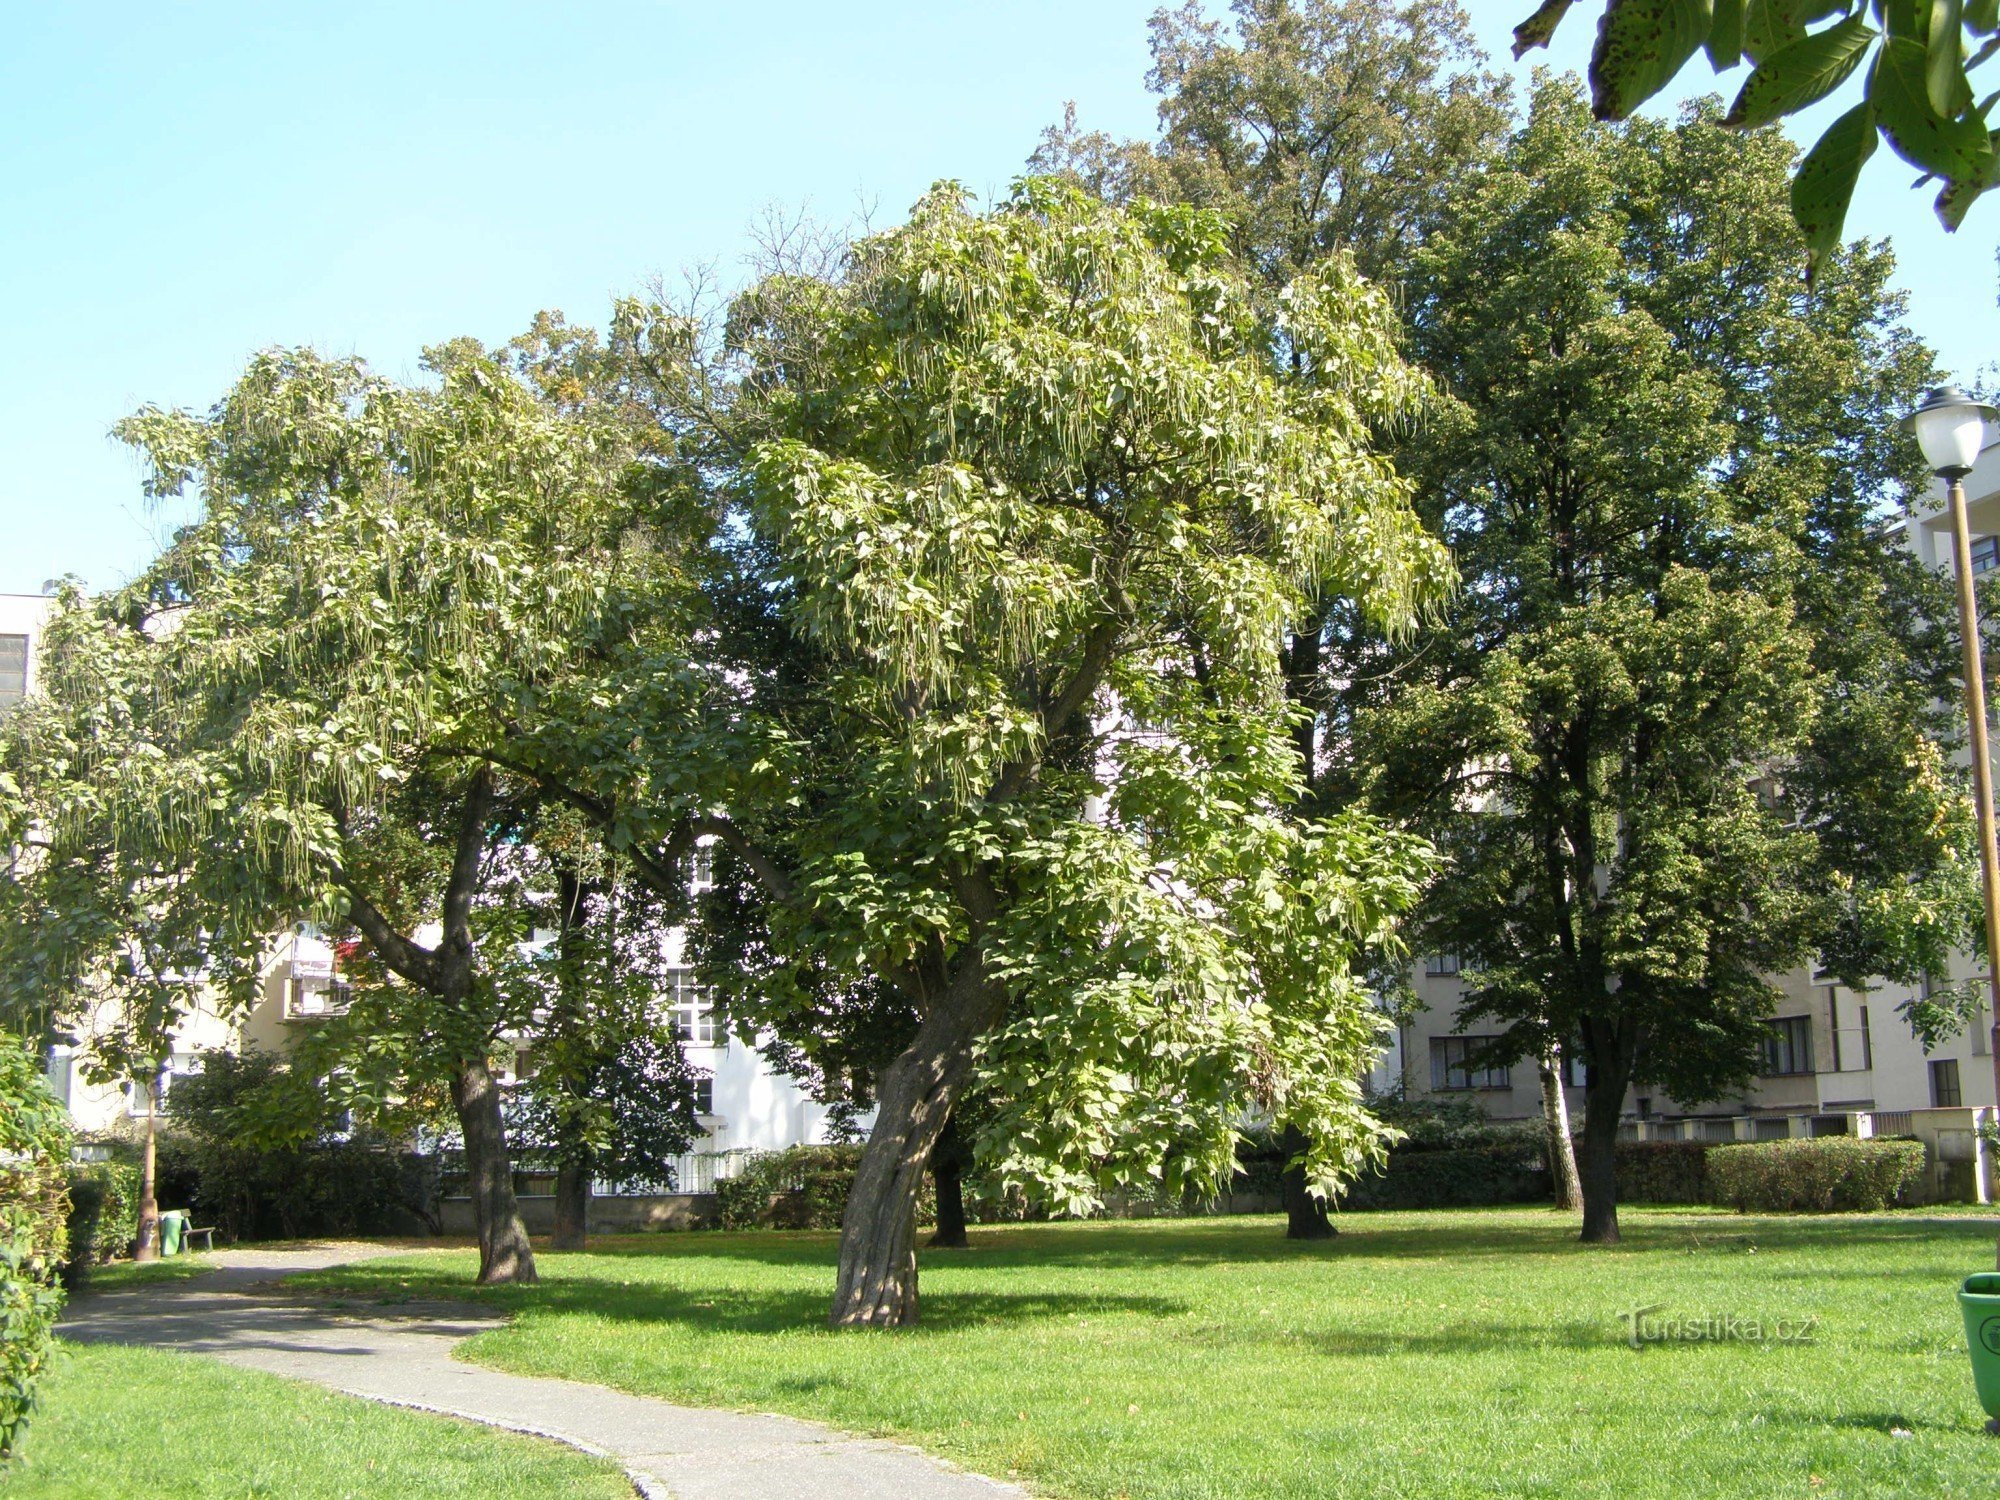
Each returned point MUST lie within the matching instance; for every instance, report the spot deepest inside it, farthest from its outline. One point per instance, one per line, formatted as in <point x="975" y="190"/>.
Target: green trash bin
<point x="172" y="1222"/>
<point x="1979" y="1299"/>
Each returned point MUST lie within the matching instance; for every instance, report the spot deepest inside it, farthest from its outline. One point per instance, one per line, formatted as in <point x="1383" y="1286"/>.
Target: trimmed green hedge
<point x="103" y="1216"/>
<point x="35" y="1141"/>
<point x="1830" y="1174"/>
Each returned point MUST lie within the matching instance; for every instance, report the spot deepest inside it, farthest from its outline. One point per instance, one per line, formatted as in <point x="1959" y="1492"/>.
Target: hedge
<point x="103" y="1216"/>
<point x="1829" y="1174"/>
<point x="35" y="1141"/>
<point x="803" y="1187"/>
<point x="1464" y="1177"/>
<point x="1661" y="1171"/>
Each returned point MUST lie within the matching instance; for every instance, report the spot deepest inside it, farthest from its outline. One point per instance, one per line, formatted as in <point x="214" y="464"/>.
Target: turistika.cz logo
<point x="1652" y="1325"/>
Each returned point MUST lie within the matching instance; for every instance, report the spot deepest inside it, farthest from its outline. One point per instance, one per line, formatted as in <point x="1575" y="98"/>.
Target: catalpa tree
<point x="1036" y="493"/>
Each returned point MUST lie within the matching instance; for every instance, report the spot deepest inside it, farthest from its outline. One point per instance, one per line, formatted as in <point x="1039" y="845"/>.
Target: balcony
<point x="314" y="992"/>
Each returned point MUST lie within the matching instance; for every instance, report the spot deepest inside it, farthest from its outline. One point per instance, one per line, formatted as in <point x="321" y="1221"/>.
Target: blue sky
<point x="180" y="186"/>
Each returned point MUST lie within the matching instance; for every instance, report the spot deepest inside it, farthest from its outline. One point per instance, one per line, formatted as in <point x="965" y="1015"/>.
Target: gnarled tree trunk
<point x="877" y="1283"/>
<point x="504" y="1253"/>
<point x="1306" y="1213"/>
<point x="948" y="1182"/>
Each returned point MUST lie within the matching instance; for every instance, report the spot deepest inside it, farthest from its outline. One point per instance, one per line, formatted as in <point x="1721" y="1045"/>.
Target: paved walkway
<point x="402" y="1356"/>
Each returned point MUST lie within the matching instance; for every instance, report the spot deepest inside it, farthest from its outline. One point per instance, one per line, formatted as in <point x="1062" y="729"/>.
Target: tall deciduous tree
<point x="1681" y="731"/>
<point x="1039" y="488"/>
<point x="384" y="582"/>
<point x="1322" y="130"/>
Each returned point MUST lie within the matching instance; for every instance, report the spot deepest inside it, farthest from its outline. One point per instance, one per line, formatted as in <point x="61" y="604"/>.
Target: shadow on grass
<point x="730" y="1309"/>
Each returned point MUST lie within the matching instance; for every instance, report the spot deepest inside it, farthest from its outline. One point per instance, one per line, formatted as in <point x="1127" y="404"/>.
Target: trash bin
<point x="174" y="1220"/>
<point x="1979" y="1299"/>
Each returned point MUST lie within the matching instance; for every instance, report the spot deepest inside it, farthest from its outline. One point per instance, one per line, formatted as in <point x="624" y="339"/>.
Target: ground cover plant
<point x="123" y="1421"/>
<point x="1424" y="1354"/>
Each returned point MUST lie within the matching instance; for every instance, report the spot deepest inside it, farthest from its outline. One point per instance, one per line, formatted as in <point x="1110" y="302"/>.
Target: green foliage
<point x="35" y="1142"/>
<point x="801" y="1187"/>
<point x="1917" y="90"/>
<point x="1315" y="127"/>
<point x="1682" y="727"/>
<point x="103" y="1216"/>
<point x="1831" y="1174"/>
<point x="262" y="1146"/>
<point x="1030" y="592"/>
<point x="1454" y="1177"/>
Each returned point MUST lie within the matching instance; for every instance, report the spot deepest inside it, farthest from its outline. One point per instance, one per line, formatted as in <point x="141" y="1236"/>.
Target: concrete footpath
<point x="402" y="1355"/>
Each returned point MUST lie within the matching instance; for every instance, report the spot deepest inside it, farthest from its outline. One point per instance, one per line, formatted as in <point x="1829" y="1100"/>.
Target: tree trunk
<point x="146" y="1245"/>
<point x="504" y="1253"/>
<point x="877" y="1282"/>
<point x="1306" y="1215"/>
<point x="948" y="1180"/>
<point x="1562" y="1149"/>
<point x="1599" y="1162"/>
<point x="572" y="1205"/>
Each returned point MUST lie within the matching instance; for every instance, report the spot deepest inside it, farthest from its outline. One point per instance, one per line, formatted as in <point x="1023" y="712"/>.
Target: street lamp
<point x="1950" y="428"/>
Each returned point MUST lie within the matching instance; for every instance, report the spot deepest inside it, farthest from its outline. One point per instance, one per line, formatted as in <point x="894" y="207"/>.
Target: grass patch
<point x="119" y="1421"/>
<point x="118" y="1274"/>
<point x="1418" y="1355"/>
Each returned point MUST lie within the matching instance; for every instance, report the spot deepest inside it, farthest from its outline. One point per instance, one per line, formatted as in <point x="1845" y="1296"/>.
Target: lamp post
<point x="1950" y="428"/>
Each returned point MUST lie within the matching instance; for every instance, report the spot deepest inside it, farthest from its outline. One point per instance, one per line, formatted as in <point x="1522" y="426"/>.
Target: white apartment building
<point x="1837" y="1060"/>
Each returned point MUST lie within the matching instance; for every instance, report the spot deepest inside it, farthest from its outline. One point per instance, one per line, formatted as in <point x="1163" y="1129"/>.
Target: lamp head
<point x="1950" y="428"/>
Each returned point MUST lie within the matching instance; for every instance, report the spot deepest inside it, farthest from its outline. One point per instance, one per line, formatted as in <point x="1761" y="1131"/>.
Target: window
<point x="701" y="868"/>
<point x="704" y="1096"/>
<point x="1944" y="1084"/>
<point x="691" y="1009"/>
<point x="13" y="670"/>
<point x="1788" y="1047"/>
<point x="1450" y="1070"/>
<point x="1441" y="965"/>
<point x="1986" y="554"/>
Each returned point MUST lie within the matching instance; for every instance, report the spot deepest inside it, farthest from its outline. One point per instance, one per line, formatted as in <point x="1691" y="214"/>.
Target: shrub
<point x="1832" y="1174"/>
<point x="1455" y="1177"/>
<point x="103" y="1216"/>
<point x="803" y="1187"/>
<point x="1662" y="1171"/>
<point x="35" y="1144"/>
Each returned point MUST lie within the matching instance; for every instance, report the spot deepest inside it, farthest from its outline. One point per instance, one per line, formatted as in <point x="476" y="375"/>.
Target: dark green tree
<point x="1680" y="730"/>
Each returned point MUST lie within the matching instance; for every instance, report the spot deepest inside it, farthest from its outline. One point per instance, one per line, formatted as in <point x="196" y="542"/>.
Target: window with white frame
<point x="690" y="1008"/>
<point x="701" y="868"/>
<point x="1441" y="965"/>
<point x="1986" y="554"/>
<point x="1452" y="1068"/>
<point x="704" y="1096"/>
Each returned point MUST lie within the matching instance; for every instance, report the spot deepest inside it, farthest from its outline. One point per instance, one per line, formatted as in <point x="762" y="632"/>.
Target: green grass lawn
<point x="130" y="1422"/>
<point x="1418" y="1355"/>
<point x="116" y="1275"/>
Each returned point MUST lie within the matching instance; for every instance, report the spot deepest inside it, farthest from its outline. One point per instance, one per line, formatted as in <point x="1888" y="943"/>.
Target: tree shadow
<point x="712" y="1308"/>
